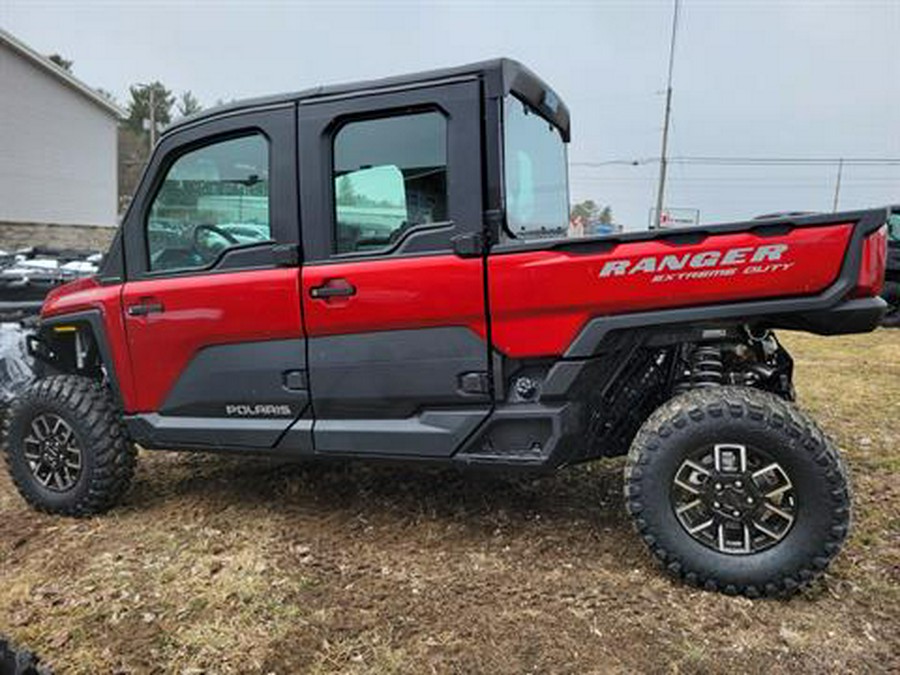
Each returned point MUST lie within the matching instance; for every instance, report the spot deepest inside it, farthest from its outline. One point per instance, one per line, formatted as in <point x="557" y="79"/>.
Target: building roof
<point x="502" y="75"/>
<point x="60" y="74"/>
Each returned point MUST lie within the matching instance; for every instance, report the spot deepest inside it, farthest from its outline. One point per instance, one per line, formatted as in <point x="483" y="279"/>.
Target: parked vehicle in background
<point x="891" y="292"/>
<point x="415" y="298"/>
<point x="27" y="275"/>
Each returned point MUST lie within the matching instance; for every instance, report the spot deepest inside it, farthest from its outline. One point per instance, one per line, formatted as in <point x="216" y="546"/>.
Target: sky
<point x="778" y="79"/>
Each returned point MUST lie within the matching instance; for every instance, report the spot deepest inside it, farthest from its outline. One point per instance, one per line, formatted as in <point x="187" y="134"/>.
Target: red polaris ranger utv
<point x="381" y="270"/>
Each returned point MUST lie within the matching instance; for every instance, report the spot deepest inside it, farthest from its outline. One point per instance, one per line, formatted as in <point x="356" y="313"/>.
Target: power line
<point x="611" y="162"/>
<point x="747" y="161"/>
<point x="790" y="161"/>
<point x="875" y="183"/>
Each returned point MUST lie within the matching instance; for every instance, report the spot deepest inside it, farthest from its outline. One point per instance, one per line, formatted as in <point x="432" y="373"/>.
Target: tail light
<point x="870" y="281"/>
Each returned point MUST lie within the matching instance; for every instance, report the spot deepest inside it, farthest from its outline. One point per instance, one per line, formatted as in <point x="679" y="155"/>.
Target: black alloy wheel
<point x="734" y="499"/>
<point x="53" y="453"/>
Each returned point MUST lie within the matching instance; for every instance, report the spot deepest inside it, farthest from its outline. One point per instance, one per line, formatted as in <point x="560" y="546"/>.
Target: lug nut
<point x="736" y="514"/>
<point x="738" y="484"/>
<point x="718" y="486"/>
<point x="749" y="500"/>
<point x="717" y="505"/>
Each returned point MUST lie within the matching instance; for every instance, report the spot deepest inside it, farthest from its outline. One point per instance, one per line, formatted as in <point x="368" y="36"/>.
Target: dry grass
<point x="229" y="566"/>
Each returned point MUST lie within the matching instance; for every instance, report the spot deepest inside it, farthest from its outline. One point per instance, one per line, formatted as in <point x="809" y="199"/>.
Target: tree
<point x="132" y="151"/>
<point x="591" y="216"/>
<point x="65" y="64"/>
<point x="188" y="104"/>
<point x="590" y="212"/>
<point x="139" y="106"/>
<point x="106" y="94"/>
<point x="587" y="210"/>
<point x="346" y="194"/>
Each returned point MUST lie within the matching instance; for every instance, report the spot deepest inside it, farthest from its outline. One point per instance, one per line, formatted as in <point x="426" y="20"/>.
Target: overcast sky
<point x="760" y="79"/>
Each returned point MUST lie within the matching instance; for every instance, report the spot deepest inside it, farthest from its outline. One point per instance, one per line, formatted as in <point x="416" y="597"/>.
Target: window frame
<point x="166" y="168"/>
<point x="458" y="99"/>
<point x="346" y="121"/>
<point x="276" y="123"/>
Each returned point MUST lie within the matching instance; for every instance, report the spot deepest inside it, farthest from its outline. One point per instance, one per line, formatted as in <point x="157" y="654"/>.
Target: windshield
<point x="537" y="191"/>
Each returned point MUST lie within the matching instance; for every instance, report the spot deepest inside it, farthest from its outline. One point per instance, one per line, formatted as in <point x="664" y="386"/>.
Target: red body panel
<point x="541" y="299"/>
<point x="870" y="281"/>
<point x="422" y="292"/>
<point x="200" y="311"/>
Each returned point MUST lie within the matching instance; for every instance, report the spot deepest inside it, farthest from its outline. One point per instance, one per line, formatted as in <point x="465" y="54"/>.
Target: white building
<point x="57" y="143"/>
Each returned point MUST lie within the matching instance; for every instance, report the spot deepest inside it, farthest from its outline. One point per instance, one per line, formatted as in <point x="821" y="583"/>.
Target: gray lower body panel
<point x="245" y="374"/>
<point x="404" y="393"/>
<point x="394" y="374"/>
<point x="212" y="433"/>
<point x="234" y="396"/>
<point x="432" y="434"/>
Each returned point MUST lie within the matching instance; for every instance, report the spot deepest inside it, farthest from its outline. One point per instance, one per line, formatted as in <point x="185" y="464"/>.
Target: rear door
<point x="398" y="351"/>
<point x="211" y="303"/>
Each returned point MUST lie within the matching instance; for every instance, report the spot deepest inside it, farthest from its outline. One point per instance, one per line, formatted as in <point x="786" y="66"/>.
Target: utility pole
<point x="152" y="119"/>
<point x="837" y="185"/>
<point x="663" y="158"/>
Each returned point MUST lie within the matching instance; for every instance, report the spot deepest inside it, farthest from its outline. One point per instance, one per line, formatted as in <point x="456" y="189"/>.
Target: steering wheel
<point x="204" y="250"/>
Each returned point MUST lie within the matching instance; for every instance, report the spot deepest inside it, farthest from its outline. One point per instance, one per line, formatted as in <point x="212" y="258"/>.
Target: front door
<point x="212" y="314"/>
<point x="396" y="324"/>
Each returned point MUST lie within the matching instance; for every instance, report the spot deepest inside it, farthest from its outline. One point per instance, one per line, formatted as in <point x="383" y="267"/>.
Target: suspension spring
<point x="704" y="369"/>
<point x="707" y="369"/>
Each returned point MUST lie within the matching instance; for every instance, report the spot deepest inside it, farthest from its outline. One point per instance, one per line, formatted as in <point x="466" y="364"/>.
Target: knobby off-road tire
<point x="68" y="421"/>
<point x="811" y="482"/>
<point x="891" y="295"/>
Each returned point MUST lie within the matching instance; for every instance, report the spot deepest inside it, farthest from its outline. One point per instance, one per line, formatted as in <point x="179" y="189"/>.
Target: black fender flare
<point x="39" y="344"/>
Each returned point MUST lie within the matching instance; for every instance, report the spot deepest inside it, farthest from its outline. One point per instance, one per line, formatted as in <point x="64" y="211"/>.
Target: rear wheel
<point x="66" y="449"/>
<point x="734" y="489"/>
<point x="891" y="295"/>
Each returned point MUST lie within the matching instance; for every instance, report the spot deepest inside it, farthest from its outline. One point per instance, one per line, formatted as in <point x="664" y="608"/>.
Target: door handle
<point x="333" y="288"/>
<point x="144" y="308"/>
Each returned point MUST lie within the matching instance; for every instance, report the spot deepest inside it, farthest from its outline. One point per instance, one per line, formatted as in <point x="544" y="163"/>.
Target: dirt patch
<point x="223" y="565"/>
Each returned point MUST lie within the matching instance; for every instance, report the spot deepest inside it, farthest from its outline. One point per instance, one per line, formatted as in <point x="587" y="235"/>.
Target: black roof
<point x="500" y="76"/>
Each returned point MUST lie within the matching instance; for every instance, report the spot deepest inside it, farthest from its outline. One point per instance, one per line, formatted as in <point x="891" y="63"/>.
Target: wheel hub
<point x="734" y="499"/>
<point x="731" y="497"/>
<point x="53" y="453"/>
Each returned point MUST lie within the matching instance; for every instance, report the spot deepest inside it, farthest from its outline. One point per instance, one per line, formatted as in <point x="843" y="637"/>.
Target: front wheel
<point x="66" y="450"/>
<point x="734" y="489"/>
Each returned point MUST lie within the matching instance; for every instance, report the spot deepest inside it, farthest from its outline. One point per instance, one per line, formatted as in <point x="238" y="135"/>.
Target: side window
<point x="536" y="181"/>
<point x="212" y="199"/>
<point x="390" y="175"/>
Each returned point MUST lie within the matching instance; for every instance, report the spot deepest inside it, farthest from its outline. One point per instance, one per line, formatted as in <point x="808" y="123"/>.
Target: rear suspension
<point x="757" y="361"/>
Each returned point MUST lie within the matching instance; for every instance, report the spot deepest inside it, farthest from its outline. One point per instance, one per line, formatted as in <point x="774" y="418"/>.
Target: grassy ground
<point x="230" y="566"/>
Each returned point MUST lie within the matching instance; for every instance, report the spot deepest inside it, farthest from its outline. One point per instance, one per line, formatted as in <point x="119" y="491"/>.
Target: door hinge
<point x="493" y="219"/>
<point x="286" y="255"/>
<point x="470" y="245"/>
